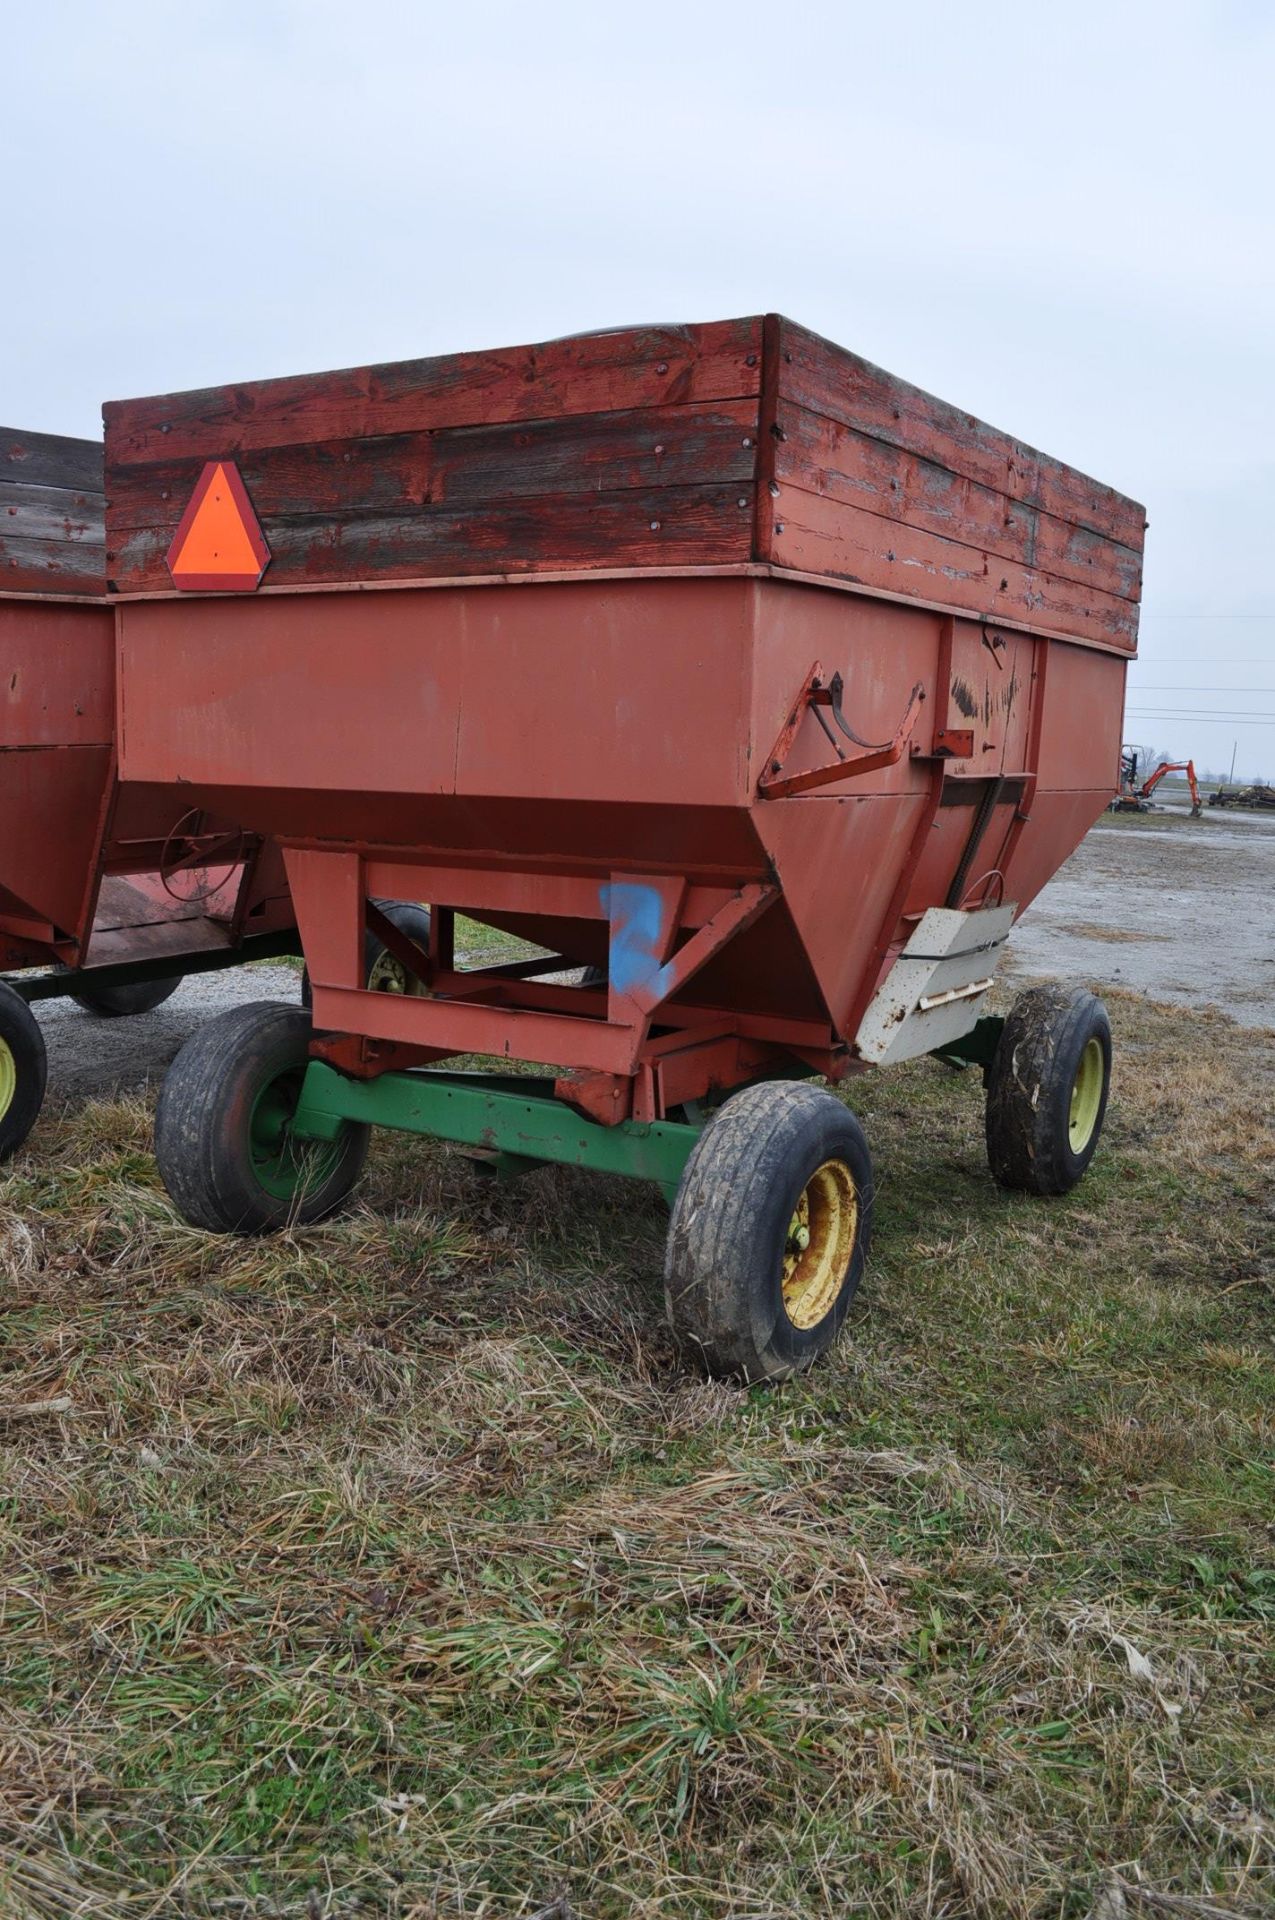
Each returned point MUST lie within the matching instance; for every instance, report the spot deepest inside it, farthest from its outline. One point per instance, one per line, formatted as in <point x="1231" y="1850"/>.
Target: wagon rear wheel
<point x="222" y="1127"/>
<point x="1047" y="1089"/>
<point x="119" y="1002"/>
<point x="385" y="974"/>
<point x="769" y="1232"/>
<point x="23" y="1070"/>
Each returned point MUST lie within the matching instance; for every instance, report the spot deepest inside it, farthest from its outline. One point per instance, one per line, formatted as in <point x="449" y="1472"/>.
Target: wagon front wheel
<point x="1047" y="1089"/>
<point x="769" y="1232"/>
<point x="23" y="1070"/>
<point x="123" y="1001"/>
<point x="223" y="1137"/>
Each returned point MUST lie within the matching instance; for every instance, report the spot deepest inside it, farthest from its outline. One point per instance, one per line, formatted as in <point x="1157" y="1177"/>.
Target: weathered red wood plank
<point x="50" y="460"/>
<point x="585" y="453"/>
<point x="638" y="447"/>
<point x="663" y="526"/>
<point x="588" y="373"/>
<point x="50" y="566"/>
<point x="828" y="380"/>
<point x="690" y="445"/>
<point x="826" y="457"/>
<point x="812" y="534"/>
<point x="50" y="513"/>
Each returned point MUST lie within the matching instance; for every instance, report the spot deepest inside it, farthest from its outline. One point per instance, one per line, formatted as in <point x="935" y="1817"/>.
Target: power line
<point x="1159" y="689"/>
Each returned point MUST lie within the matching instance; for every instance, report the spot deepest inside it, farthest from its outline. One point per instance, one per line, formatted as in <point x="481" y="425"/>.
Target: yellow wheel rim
<point x="821" y="1237"/>
<point x="389" y="975"/>
<point x="8" y="1077"/>
<point x="1086" y="1097"/>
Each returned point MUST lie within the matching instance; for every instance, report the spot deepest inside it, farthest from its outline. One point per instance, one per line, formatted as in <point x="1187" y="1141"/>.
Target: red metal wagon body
<point x="113" y="891"/>
<point x="92" y="872"/>
<point x="712" y="655"/>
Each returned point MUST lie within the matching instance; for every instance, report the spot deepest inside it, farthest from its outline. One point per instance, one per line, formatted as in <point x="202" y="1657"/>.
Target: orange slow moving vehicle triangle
<point x="219" y="546"/>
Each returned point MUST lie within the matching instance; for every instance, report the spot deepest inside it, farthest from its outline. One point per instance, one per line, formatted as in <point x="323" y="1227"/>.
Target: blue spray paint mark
<point x="635" y="913"/>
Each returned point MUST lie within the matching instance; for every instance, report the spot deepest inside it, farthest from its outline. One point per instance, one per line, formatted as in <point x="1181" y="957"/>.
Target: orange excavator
<point x="1132" y="797"/>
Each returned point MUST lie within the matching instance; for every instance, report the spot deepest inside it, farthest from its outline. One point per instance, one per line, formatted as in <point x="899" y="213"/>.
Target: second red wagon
<point x="111" y="892"/>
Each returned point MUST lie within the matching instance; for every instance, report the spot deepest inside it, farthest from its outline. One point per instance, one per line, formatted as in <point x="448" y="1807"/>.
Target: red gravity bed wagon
<point x="109" y="892"/>
<point x="713" y="656"/>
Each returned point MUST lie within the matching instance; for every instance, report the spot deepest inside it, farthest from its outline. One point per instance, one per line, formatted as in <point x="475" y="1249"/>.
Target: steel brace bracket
<point x="817" y="694"/>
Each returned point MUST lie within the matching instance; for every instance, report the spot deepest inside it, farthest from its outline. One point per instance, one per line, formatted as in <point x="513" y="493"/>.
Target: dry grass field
<point x="395" y="1569"/>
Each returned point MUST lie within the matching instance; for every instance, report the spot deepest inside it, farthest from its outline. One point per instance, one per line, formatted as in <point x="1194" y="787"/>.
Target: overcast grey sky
<point x="1060" y="217"/>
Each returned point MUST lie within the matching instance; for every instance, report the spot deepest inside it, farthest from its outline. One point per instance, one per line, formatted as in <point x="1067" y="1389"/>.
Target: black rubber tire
<point x="1030" y="1085"/>
<point x="23" y="1042"/>
<point x="119" y="1003"/>
<point x="407" y="917"/>
<point x="202" y="1141"/>
<point x="729" y="1230"/>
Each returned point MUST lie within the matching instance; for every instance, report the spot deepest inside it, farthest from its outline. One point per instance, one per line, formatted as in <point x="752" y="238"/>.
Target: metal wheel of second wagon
<point x="130" y="997"/>
<point x="769" y="1232"/>
<point x="386" y="974"/>
<point x="23" y="1070"/>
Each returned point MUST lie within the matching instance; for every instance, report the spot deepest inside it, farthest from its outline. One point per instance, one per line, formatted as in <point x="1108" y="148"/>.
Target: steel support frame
<point x="630" y="1052"/>
<point x="817" y="692"/>
<point x="512" y="1121"/>
<point x="167" y="966"/>
<point x="977" y="1048"/>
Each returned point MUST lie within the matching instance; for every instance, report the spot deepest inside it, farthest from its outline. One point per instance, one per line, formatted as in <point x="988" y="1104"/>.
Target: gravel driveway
<point x="89" y="1055"/>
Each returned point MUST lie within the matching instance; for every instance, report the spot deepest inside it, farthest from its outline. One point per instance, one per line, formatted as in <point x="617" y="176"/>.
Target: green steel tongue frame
<point x="520" y="1121"/>
<point x="514" y="1119"/>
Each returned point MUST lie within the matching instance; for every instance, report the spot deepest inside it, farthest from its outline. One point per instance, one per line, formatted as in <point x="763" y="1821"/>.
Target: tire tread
<point x="195" y="1133"/>
<point x="713" y="1258"/>
<point x="1039" y="1048"/>
<point x="22" y="1031"/>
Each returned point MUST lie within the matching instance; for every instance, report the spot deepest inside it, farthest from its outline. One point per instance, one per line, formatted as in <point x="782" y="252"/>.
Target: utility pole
<point x="1234" y="750"/>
